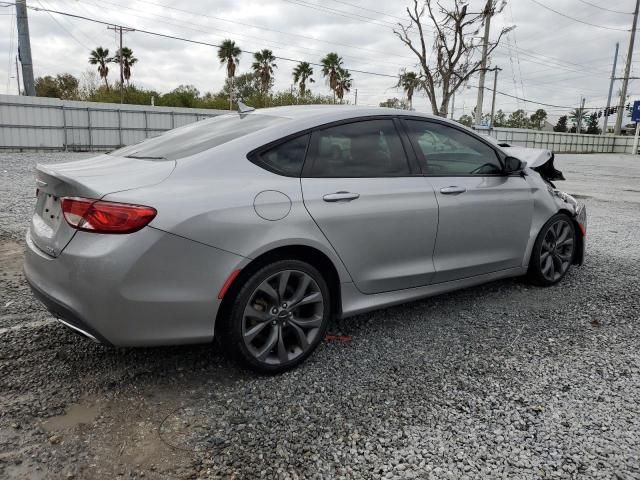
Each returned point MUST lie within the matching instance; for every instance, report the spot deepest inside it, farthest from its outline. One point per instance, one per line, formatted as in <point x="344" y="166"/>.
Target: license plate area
<point x="49" y="210"/>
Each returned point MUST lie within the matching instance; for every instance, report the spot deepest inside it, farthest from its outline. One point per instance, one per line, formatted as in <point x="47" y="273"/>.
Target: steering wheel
<point x="485" y="165"/>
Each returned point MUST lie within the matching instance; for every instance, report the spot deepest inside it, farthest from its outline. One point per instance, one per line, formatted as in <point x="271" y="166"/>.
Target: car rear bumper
<point x="581" y="221"/>
<point x="143" y="289"/>
<point x="66" y="316"/>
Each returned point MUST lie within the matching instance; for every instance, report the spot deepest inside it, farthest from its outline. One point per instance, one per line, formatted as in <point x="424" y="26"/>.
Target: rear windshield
<point x="198" y="137"/>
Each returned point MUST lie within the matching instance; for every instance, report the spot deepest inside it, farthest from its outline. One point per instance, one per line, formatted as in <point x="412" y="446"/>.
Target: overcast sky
<point x="547" y="58"/>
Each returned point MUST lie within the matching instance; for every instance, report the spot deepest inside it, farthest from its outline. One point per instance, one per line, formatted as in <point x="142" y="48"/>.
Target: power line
<point x="578" y="20"/>
<point x="84" y="8"/>
<point x="200" y="42"/>
<point x="529" y="52"/>
<point x="605" y="9"/>
<point x="342" y="13"/>
<point x="547" y="58"/>
<point x="360" y="49"/>
<point x="368" y="9"/>
<point x="524" y="99"/>
<point x="182" y="23"/>
<point x="83" y="45"/>
<point x="515" y="43"/>
<point x="221" y="19"/>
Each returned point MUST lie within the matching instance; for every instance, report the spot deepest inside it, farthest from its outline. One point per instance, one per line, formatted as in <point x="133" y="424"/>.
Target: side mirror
<point x="513" y="165"/>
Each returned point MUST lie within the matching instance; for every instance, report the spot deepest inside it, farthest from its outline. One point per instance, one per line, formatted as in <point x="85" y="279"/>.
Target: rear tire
<point x="554" y="251"/>
<point x="278" y="317"/>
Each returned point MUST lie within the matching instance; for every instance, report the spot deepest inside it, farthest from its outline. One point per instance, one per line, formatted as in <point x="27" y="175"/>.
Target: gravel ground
<point x="499" y="381"/>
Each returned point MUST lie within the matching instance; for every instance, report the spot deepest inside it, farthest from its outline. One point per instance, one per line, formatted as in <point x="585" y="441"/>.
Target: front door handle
<point x="341" y="197"/>
<point x="453" y="190"/>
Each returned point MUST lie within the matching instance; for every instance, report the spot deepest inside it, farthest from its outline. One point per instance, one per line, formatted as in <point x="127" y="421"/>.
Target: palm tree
<point x="578" y="115"/>
<point x="100" y="57"/>
<point x="263" y="65"/>
<point x="343" y="84"/>
<point x="128" y="60"/>
<point x="331" y="63"/>
<point x="301" y="74"/>
<point x="410" y="82"/>
<point x="229" y="54"/>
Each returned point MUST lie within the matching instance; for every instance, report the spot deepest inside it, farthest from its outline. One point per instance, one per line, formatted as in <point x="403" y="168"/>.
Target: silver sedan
<point x="260" y="227"/>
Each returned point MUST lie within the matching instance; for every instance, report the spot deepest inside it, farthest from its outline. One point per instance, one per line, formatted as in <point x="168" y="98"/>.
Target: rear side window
<point x="199" y="136"/>
<point x="370" y="148"/>
<point x="285" y="158"/>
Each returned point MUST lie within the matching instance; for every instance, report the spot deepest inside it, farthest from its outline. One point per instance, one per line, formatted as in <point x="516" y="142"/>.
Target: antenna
<point x="242" y="108"/>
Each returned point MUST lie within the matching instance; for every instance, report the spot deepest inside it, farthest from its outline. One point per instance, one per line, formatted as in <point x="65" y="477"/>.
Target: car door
<point x="379" y="215"/>
<point x="484" y="215"/>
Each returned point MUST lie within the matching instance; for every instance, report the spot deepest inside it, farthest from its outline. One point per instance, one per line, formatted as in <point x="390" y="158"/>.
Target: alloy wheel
<point x="283" y="316"/>
<point x="556" y="253"/>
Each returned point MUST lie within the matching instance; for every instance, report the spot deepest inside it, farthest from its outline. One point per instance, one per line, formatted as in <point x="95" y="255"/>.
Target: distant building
<point x="547" y="127"/>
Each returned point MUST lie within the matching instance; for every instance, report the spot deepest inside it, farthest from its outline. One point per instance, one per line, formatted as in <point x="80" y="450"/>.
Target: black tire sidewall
<point x="535" y="269"/>
<point x="233" y="339"/>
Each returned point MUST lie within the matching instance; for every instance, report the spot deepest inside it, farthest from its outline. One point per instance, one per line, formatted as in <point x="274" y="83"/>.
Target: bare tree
<point x="452" y="57"/>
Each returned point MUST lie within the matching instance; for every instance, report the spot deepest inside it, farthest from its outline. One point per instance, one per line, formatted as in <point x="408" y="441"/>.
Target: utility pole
<point x="453" y="104"/>
<point x="120" y="29"/>
<point x="24" y="48"/>
<point x="613" y="77"/>
<point x="356" y="100"/>
<point x="627" y="72"/>
<point x="580" y="110"/>
<point x="488" y="12"/>
<point x="495" y="87"/>
<point x="18" y="76"/>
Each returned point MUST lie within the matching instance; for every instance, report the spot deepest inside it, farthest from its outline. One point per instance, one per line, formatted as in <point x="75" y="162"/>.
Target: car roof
<point x="328" y="113"/>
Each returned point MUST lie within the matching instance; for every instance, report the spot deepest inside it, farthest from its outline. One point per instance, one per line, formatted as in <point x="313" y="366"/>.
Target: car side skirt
<point x="355" y="302"/>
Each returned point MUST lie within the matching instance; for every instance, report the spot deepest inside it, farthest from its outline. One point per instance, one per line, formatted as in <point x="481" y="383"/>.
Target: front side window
<point x="448" y="151"/>
<point x="370" y="148"/>
<point x="199" y="136"/>
<point x="286" y="158"/>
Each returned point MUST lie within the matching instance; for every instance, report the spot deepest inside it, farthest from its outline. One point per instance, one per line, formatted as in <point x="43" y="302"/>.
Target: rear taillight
<point x="98" y="216"/>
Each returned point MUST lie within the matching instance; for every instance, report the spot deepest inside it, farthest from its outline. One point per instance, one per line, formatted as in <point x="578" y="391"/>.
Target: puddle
<point x="74" y="416"/>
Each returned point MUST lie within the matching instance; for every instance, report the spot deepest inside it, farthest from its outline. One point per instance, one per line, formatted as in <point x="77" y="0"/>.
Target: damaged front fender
<point x="537" y="159"/>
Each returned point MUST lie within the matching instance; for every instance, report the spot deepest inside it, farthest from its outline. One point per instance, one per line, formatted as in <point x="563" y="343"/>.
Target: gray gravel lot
<point x="500" y="381"/>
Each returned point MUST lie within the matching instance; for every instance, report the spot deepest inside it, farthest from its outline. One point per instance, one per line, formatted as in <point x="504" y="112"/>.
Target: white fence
<point x="51" y="124"/>
<point x="564" y="142"/>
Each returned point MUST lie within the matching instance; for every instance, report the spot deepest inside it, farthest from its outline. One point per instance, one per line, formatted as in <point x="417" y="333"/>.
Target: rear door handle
<point x="453" y="190"/>
<point x="341" y="197"/>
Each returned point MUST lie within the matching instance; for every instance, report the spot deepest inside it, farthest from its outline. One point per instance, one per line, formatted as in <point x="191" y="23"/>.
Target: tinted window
<point x="198" y="137"/>
<point x="371" y="148"/>
<point x="450" y="152"/>
<point x="286" y="158"/>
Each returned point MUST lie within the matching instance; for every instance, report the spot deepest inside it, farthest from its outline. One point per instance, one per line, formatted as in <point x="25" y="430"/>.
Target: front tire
<point x="278" y="317"/>
<point x="553" y="252"/>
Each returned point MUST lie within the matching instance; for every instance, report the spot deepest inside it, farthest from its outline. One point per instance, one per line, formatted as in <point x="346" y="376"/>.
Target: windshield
<point x="198" y="137"/>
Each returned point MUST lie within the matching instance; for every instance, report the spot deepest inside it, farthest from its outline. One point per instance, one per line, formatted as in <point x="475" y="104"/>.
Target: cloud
<point x="547" y="58"/>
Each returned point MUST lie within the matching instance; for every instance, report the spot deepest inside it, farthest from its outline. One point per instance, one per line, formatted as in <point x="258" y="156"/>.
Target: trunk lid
<point x="91" y="178"/>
